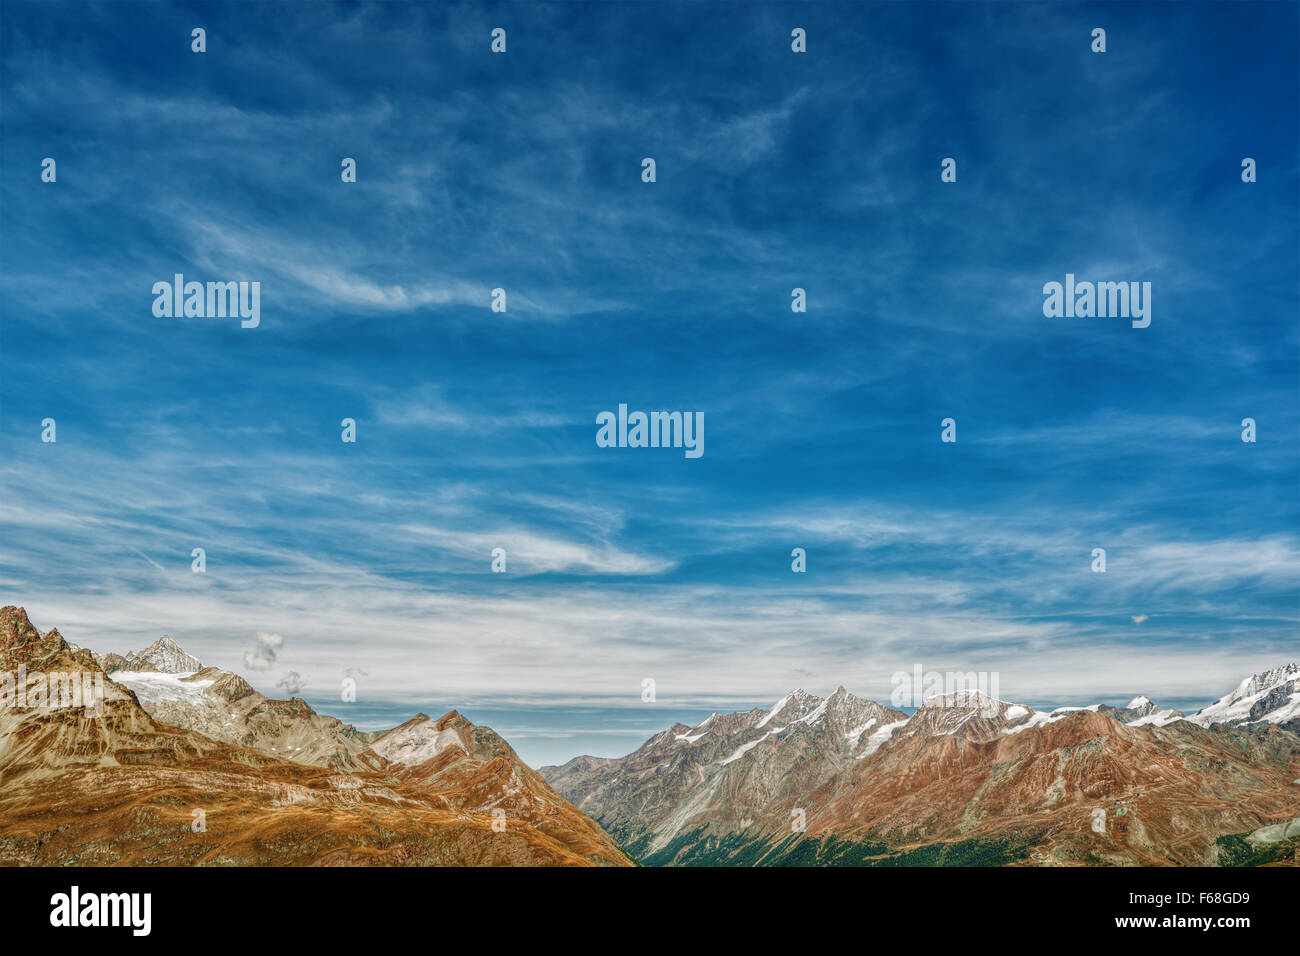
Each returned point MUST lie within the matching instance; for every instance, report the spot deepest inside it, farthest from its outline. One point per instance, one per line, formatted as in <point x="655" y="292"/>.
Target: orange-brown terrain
<point x="1167" y="792"/>
<point x="126" y="789"/>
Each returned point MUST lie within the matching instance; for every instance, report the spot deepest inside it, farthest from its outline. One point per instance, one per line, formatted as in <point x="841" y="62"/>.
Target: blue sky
<point x="477" y="429"/>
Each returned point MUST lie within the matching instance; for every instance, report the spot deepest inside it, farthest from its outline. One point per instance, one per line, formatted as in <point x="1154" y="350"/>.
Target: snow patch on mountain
<point x="814" y="717"/>
<point x="855" y="732"/>
<point x="795" y="703"/>
<point x="415" y="744"/>
<point x="154" y="687"/>
<point x="880" y="738"/>
<point x="746" y="748"/>
<point x="776" y="709"/>
<point x="982" y="703"/>
<point x="1039" y="718"/>
<point x="1157" y="717"/>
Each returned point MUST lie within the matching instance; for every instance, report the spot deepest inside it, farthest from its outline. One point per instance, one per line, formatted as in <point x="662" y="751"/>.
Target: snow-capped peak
<point x="415" y="742"/>
<point x="164" y="656"/>
<point x="1267" y="680"/>
<point x="1272" y="696"/>
<point x="1138" y="702"/>
<point x="966" y="700"/>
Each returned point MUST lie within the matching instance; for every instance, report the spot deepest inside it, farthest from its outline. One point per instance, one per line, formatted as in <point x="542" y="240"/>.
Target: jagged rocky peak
<point x="721" y="725"/>
<point x="706" y="723"/>
<point x="1266" y="680"/>
<point x="793" y="706"/>
<point x="844" y="704"/>
<point x="16" y="630"/>
<point x="164" y="656"/>
<point x="22" y="643"/>
<point x="15" y="627"/>
<point x="1142" y="706"/>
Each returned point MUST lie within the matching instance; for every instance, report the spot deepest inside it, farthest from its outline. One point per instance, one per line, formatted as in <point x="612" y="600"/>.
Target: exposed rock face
<point x="21" y="643"/>
<point x="1168" y="792"/>
<point x="966" y="779"/>
<point x="126" y="788"/>
<point x="111" y="662"/>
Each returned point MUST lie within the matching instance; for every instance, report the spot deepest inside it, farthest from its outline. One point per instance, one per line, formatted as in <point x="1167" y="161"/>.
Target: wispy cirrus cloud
<point x="475" y="428"/>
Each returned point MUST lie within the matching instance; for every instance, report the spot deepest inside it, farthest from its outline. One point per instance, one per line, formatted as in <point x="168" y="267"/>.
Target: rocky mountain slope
<point x="475" y="770"/>
<point x="176" y="688"/>
<point x="127" y="788"/>
<point x="223" y="706"/>
<point x="730" y="770"/>
<point x="965" y="779"/>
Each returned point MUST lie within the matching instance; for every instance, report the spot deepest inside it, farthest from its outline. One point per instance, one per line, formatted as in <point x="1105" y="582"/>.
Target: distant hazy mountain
<point x="1140" y="711"/>
<point x="967" y="779"/>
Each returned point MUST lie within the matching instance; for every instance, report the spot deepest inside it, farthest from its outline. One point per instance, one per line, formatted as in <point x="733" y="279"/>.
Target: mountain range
<point x="965" y="779"/>
<point x="190" y="765"/>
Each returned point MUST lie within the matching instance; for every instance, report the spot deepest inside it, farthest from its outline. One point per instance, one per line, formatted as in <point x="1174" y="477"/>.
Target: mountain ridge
<point x="983" y="778"/>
